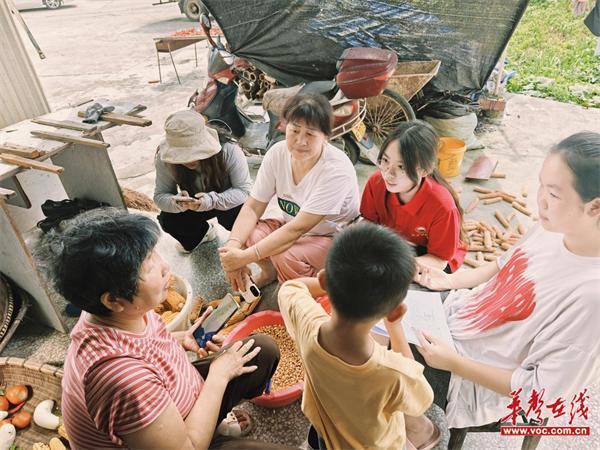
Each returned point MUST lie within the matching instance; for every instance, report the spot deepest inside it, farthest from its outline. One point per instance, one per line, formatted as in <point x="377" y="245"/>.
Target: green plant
<point x="553" y="55"/>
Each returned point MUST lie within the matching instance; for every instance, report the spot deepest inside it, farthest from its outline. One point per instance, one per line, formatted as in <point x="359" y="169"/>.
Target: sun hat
<point x="187" y="139"/>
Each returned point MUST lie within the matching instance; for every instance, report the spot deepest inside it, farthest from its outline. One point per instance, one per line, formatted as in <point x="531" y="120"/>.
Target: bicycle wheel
<point x="385" y="112"/>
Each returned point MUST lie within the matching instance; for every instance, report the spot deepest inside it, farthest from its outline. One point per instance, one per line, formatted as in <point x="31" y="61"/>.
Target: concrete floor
<point x="104" y="48"/>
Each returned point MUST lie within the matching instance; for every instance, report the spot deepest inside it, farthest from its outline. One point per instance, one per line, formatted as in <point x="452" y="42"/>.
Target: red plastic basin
<point x="276" y="399"/>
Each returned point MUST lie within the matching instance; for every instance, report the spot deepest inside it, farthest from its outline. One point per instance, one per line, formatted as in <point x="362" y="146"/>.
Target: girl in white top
<point x="317" y="193"/>
<point x="532" y="320"/>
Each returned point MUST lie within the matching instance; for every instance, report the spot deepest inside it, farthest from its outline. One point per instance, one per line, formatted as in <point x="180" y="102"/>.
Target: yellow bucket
<point x="450" y="156"/>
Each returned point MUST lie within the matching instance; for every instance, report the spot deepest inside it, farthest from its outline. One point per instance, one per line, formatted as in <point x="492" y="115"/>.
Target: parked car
<point x="192" y="9"/>
<point x="31" y="4"/>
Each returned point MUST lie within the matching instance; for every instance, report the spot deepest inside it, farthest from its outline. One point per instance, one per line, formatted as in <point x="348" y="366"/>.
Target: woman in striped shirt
<point x="128" y="382"/>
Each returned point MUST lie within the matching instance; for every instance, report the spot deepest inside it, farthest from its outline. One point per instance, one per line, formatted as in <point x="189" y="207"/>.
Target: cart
<point x="386" y="111"/>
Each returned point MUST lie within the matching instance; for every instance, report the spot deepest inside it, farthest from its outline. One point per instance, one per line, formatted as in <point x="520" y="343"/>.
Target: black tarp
<point x="297" y="41"/>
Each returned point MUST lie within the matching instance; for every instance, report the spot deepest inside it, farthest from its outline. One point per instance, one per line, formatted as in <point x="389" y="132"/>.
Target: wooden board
<point x="89" y="175"/>
<point x="66" y="124"/>
<point x="17" y="263"/>
<point x="69" y="139"/>
<point x="122" y="119"/>
<point x="29" y="163"/>
<point x="20" y="198"/>
<point x="21" y="150"/>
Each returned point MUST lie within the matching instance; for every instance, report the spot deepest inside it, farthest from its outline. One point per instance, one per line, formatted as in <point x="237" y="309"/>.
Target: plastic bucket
<point x="450" y="156"/>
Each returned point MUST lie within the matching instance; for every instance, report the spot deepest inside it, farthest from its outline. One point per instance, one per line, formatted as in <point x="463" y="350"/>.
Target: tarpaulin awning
<point x="298" y="41"/>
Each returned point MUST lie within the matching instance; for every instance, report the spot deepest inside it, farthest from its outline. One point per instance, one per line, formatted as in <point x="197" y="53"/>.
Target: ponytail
<point x="438" y="178"/>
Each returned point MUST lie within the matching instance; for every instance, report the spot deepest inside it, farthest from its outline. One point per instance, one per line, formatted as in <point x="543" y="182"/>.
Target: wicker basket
<point x="45" y="380"/>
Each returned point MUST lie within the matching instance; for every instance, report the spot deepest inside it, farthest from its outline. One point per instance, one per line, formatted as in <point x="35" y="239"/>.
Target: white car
<point x="31" y="4"/>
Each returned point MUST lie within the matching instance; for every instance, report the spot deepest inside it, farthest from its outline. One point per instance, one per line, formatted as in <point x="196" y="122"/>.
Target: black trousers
<point x="244" y="387"/>
<point x="189" y="227"/>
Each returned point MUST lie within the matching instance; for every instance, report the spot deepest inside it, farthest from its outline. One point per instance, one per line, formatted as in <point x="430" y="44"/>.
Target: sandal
<point x="230" y="425"/>
<point x="434" y="440"/>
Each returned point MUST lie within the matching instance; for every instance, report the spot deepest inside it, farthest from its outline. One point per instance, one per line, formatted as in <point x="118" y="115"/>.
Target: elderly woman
<point x="197" y="179"/>
<point x="128" y="382"/>
<point x="317" y="192"/>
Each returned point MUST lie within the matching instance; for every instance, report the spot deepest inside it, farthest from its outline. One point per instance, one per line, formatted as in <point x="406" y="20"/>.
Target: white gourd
<point x="43" y="417"/>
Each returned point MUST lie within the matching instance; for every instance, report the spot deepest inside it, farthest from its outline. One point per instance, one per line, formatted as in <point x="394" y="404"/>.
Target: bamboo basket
<point x="45" y="381"/>
<point x="411" y="76"/>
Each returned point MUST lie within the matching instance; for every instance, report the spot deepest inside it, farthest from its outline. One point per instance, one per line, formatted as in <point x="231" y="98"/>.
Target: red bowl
<point x="276" y="399"/>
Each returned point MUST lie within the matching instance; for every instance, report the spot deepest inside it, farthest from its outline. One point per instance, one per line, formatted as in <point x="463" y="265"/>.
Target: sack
<point x="57" y="211"/>
<point x="458" y="127"/>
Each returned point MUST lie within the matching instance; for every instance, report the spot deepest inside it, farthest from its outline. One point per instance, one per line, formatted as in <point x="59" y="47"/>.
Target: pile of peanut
<point x="172" y="305"/>
<point x="290" y="370"/>
<point x="488" y="241"/>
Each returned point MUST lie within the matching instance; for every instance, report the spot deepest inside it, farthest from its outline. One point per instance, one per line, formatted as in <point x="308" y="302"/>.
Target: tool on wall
<point x="19" y="18"/>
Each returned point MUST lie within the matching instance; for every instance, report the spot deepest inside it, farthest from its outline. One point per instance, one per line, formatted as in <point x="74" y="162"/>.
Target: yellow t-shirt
<point x="352" y="406"/>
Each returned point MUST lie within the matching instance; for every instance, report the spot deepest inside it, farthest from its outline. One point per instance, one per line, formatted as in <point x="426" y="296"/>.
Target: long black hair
<point x="213" y="169"/>
<point x="214" y="175"/>
<point x="419" y="144"/>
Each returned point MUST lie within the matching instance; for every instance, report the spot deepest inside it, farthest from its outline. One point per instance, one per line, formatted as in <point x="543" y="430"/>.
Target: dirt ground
<point x="104" y="48"/>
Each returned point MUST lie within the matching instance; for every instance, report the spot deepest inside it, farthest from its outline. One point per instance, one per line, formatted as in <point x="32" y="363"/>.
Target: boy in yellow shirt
<point x="356" y="391"/>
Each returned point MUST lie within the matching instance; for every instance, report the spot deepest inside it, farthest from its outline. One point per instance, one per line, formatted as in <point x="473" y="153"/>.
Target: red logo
<point x="514" y="302"/>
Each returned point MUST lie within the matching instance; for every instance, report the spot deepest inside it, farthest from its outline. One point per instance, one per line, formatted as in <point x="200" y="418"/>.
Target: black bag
<point x="592" y="21"/>
<point x="57" y="211"/>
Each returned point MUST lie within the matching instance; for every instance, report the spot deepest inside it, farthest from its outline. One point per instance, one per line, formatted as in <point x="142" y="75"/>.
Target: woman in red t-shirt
<point x="408" y="195"/>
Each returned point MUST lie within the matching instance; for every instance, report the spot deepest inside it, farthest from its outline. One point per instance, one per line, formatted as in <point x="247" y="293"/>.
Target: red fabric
<point x="509" y="298"/>
<point x="430" y="219"/>
<point x="116" y="382"/>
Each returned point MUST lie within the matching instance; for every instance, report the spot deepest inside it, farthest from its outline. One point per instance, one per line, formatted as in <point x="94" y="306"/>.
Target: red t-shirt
<point x="117" y="382"/>
<point x="430" y="219"/>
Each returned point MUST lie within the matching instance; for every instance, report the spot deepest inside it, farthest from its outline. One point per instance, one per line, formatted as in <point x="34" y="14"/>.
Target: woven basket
<point x="45" y="380"/>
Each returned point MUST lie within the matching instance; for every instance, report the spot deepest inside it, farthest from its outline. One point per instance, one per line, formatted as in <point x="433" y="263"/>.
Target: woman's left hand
<point x="437" y="353"/>
<point x="233" y="258"/>
<point x="189" y="342"/>
<point x="202" y="203"/>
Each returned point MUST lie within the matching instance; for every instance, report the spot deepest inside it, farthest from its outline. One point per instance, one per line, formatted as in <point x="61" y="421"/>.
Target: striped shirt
<point x="117" y="382"/>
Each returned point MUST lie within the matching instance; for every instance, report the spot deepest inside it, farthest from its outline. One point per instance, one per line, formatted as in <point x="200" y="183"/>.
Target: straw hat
<point x="188" y="139"/>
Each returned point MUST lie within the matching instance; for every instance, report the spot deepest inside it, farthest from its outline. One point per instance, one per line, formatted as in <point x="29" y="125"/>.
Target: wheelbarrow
<point x="386" y="111"/>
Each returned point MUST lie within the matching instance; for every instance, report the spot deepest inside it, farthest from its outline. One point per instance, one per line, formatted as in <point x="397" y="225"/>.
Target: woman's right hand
<point x="231" y="363"/>
<point x="432" y="278"/>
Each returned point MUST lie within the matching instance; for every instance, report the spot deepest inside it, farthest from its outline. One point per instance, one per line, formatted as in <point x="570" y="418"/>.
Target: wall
<point x="21" y="94"/>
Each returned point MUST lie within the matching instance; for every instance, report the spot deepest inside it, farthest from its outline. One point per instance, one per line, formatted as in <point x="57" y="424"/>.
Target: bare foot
<point x="267" y="273"/>
<point x="419" y="430"/>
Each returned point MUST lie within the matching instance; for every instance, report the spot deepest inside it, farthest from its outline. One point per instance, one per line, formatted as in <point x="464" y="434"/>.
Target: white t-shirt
<point x="539" y="316"/>
<point x="330" y="188"/>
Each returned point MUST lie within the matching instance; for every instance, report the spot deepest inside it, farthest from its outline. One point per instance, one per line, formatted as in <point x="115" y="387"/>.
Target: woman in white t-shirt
<point x="531" y="323"/>
<point x="316" y="190"/>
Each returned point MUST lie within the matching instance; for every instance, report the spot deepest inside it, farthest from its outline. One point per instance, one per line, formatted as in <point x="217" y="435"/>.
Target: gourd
<point x="8" y="433"/>
<point x="43" y="417"/>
